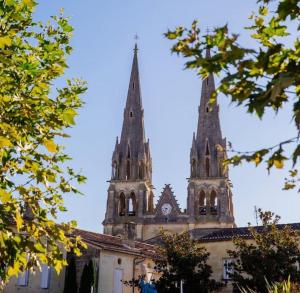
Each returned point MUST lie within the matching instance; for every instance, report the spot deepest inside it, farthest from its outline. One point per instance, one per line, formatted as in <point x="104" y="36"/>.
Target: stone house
<point x="114" y="260"/>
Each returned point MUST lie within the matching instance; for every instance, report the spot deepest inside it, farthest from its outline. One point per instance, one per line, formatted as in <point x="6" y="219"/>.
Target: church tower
<point x="130" y="193"/>
<point x="209" y="203"/>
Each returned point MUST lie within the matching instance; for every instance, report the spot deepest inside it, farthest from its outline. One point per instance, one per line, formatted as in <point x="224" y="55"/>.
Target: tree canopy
<point x="34" y="119"/>
<point x="258" y="78"/>
<point x="272" y="256"/>
<point x="181" y="259"/>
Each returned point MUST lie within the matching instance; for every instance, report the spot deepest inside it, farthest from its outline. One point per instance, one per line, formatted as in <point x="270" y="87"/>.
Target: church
<point x="130" y="200"/>
<point x="132" y="221"/>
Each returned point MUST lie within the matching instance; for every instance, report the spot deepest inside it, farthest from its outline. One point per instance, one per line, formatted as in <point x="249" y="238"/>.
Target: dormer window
<point x="133" y="85"/>
<point x="130" y="114"/>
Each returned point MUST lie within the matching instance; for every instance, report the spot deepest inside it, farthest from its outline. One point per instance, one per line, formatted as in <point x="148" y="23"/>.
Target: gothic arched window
<point x="213" y="203"/>
<point x="122" y="205"/>
<point x="202" y="203"/>
<point x="132" y="205"/>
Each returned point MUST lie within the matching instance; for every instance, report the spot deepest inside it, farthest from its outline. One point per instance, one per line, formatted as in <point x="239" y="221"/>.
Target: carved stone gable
<point x="167" y="205"/>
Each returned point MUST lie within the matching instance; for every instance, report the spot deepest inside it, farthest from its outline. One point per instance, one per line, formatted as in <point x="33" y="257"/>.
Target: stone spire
<point x="208" y="147"/>
<point x="131" y="157"/>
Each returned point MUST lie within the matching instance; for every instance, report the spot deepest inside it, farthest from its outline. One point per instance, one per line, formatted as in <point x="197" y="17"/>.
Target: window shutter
<point x="23" y="279"/>
<point x="45" y="277"/>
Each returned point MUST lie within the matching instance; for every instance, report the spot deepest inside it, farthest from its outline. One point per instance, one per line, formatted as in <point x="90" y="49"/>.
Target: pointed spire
<point x="133" y="133"/>
<point x="209" y="130"/>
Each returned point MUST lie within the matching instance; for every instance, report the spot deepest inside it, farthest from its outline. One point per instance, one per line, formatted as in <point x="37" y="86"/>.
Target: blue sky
<point x="103" y="42"/>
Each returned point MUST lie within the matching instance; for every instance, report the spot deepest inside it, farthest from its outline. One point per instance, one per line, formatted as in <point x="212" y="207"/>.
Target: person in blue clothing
<point x="147" y="287"/>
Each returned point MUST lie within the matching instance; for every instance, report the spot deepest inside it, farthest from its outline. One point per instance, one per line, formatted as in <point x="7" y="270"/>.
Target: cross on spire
<point x="136" y="37"/>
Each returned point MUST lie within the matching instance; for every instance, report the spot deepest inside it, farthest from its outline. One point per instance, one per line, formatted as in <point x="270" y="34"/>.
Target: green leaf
<point x="69" y="115"/>
<point x="39" y="247"/>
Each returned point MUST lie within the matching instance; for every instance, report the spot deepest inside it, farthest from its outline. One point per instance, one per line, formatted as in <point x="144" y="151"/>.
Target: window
<point x="23" y="279"/>
<point x="130" y="114"/>
<point x="131" y="205"/>
<point x="202" y="203"/>
<point x="121" y="205"/>
<point x="45" y="277"/>
<point x="133" y="85"/>
<point x="213" y="203"/>
<point x="227" y="268"/>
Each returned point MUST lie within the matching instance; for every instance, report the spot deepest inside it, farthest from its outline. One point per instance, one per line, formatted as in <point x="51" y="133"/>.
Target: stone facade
<point x="130" y="193"/>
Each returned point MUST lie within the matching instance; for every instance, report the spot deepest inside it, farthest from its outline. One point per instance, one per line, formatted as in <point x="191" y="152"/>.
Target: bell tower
<point x="130" y="193"/>
<point x="209" y="203"/>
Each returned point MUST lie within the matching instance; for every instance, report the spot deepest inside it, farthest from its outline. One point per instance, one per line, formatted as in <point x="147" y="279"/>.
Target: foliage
<point x="182" y="259"/>
<point x="261" y="78"/>
<point x="280" y="287"/>
<point x="33" y="175"/>
<point x="273" y="255"/>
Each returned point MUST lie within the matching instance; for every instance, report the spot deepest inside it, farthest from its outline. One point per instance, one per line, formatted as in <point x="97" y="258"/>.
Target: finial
<point x="136" y="37"/>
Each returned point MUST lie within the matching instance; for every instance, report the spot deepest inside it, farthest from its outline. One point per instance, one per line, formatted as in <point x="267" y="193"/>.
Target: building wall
<point x="108" y="261"/>
<point x="111" y="261"/>
<point x="218" y="253"/>
<point x="34" y="283"/>
<point x="152" y="230"/>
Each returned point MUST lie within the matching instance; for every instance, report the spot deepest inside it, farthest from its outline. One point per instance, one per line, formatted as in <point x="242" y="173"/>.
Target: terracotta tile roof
<point x="104" y="241"/>
<point x="229" y="233"/>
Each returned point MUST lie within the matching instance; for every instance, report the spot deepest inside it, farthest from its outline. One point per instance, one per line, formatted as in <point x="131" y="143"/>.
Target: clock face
<point x="166" y="209"/>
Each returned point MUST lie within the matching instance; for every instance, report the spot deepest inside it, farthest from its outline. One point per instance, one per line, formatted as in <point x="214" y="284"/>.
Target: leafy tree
<point x="258" y="78"/>
<point x="272" y="256"/>
<point x="182" y="259"/>
<point x="33" y="174"/>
